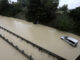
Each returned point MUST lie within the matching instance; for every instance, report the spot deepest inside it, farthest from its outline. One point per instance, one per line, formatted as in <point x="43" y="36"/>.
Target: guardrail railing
<point x="35" y="45"/>
<point x="16" y="47"/>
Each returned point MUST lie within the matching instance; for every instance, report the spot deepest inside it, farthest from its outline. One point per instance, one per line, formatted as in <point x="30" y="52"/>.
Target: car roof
<point x="70" y="38"/>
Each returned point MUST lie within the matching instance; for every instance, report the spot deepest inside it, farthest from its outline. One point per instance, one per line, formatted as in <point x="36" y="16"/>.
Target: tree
<point x="24" y="3"/>
<point x="14" y="9"/>
<point x="64" y="22"/>
<point x="75" y="14"/>
<point x="64" y="8"/>
<point x="41" y="10"/>
<point x="7" y="9"/>
<point x="4" y="5"/>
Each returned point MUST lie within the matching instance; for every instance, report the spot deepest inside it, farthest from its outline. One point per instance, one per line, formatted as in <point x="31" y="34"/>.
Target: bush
<point x="7" y="9"/>
<point x="13" y="10"/>
<point x="64" y="22"/>
<point x="4" y="5"/>
<point x="75" y="14"/>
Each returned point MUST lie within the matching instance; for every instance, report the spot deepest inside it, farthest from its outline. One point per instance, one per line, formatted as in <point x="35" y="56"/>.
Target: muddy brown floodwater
<point x="46" y="37"/>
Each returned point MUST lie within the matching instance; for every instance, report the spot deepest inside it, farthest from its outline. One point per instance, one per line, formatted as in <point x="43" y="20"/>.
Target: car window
<point x="71" y="41"/>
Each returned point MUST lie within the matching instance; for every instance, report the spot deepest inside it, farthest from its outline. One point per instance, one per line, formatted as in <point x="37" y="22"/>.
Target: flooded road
<point x="43" y="36"/>
<point x="9" y="53"/>
<point x="28" y="48"/>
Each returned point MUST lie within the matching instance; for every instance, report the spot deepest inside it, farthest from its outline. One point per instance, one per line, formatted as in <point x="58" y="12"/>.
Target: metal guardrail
<point x="16" y="47"/>
<point x="35" y="45"/>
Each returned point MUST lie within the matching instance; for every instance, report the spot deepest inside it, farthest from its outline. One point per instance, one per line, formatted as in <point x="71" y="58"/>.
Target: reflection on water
<point x="46" y="37"/>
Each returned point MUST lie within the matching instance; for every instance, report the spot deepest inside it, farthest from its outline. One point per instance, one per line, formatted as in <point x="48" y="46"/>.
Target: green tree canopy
<point x="3" y="5"/>
<point x="75" y="14"/>
<point x="64" y="8"/>
<point x="42" y="10"/>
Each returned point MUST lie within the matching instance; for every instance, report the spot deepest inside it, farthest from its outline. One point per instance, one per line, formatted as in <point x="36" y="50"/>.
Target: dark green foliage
<point x="33" y="9"/>
<point x="24" y="3"/>
<point x="64" y="8"/>
<point x="4" y="5"/>
<point x="64" y="22"/>
<point x="75" y="14"/>
<point x="44" y="12"/>
<point x="13" y="10"/>
<point x="7" y="9"/>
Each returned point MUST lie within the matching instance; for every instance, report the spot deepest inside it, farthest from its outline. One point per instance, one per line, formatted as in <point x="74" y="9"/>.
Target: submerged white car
<point x="70" y="40"/>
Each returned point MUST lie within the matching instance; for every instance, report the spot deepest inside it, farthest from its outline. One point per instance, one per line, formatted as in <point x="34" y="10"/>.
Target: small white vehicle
<point x="70" y="40"/>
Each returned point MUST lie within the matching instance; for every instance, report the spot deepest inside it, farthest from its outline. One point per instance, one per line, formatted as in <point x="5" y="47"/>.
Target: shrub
<point x="7" y="9"/>
<point x="64" y="22"/>
<point x="75" y="14"/>
<point x="4" y="5"/>
<point x="13" y="10"/>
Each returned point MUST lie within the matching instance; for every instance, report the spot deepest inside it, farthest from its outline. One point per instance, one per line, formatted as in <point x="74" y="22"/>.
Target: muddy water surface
<point x="46" y="37"/>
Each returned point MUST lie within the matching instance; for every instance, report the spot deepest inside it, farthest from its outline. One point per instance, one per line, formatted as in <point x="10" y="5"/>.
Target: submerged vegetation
<point x="44" y="12"/>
